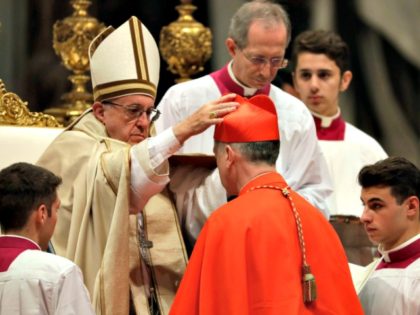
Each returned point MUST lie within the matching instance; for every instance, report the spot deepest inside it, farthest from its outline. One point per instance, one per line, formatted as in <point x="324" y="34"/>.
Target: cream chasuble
<point x="95" y="229"/>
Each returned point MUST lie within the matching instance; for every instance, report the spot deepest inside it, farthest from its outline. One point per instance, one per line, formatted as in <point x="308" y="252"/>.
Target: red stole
<point x="226" y="84"/>
<point x="403" y="257"/>
<point x="11" y="247"/>
<point x="334" y="132"/>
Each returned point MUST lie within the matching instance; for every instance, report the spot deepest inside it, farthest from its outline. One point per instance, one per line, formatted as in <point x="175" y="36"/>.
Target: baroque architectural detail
<point x="185" y="44"/>
<point x="14" y="111"/>
<point x="71" y="39"/>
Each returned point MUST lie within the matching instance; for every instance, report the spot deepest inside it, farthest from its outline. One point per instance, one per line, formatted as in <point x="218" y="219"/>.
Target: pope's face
<point x="385" y="220"/>
<point x="264" y="43"/>
<point x="318" y="81"/>
<point x="119" y="120"/>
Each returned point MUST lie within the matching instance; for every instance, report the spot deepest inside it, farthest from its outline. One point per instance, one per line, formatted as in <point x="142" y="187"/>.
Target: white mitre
<point x="124" y="61"/>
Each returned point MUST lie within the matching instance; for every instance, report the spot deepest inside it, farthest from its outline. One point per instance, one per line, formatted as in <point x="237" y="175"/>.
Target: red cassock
<point x="247" y="259"/>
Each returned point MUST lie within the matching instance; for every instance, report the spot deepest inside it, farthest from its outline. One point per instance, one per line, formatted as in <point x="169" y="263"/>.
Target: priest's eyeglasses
<point x="260" y="61"/>
<point x="133" y="112"/>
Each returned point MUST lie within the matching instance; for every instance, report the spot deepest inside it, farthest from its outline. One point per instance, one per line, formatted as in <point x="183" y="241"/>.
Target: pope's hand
<point x="207" y="115"/>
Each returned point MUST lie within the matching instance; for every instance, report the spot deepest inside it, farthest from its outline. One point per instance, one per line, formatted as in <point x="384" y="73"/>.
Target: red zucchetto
<point x="255" y="120"/>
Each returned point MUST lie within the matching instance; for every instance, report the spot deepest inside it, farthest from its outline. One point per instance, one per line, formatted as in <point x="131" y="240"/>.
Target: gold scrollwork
<point x="14" y="111"/>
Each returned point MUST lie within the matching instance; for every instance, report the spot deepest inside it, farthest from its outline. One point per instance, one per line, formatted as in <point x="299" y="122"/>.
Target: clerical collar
<point x="19" y="241"/>
<point x="247" y="90"/>
<point x="401" y="252"/>
<point x="326" y="121"/>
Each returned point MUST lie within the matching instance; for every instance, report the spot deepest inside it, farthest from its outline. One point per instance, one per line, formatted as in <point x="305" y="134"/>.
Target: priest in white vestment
<point x="321" y="74"/>
<point x="391" y="198"/>
<point x="31" y="280"/>
<point x="258" y="37"/>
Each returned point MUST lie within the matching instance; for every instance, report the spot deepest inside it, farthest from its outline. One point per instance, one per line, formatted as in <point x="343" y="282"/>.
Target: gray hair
<point x="264" y="10"/>
<point x="255" y="152"/>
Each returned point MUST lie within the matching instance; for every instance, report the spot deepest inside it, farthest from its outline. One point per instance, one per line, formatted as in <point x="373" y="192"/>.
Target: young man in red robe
<point x="268" y="251"/>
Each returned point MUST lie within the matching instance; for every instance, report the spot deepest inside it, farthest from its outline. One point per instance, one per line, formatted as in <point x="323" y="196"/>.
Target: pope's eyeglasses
<point x="133" y="112"/>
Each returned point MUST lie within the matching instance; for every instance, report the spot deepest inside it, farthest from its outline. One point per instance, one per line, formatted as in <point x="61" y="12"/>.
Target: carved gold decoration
<point x="71" y="39"/>
<point x="14" y="111"/>
<point x="185" y="44"/>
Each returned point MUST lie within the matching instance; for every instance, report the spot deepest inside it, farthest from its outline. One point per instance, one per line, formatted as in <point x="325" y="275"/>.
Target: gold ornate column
<point x="71" y="39"/>
<point x="185" y="44"/>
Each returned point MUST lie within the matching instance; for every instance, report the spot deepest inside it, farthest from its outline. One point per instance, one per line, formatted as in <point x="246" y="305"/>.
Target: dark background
<point x="44" y="78"/>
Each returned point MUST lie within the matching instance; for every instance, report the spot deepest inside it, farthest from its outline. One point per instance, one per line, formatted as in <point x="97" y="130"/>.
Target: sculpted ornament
<point x="14" y="111"/>
<point x="185" y="44"/>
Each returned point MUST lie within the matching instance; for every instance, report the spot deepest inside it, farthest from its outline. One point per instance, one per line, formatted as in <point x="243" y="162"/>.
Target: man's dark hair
<point x="23" y="188"/>
<point x="257" y="152"/>
<point x="322" y="42"/>
<point x="402" y="176"/>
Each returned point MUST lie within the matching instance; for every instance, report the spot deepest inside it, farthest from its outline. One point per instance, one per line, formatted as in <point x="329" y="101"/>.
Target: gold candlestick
<point x="185" y="44"/>
<point x="71" y="39"/>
